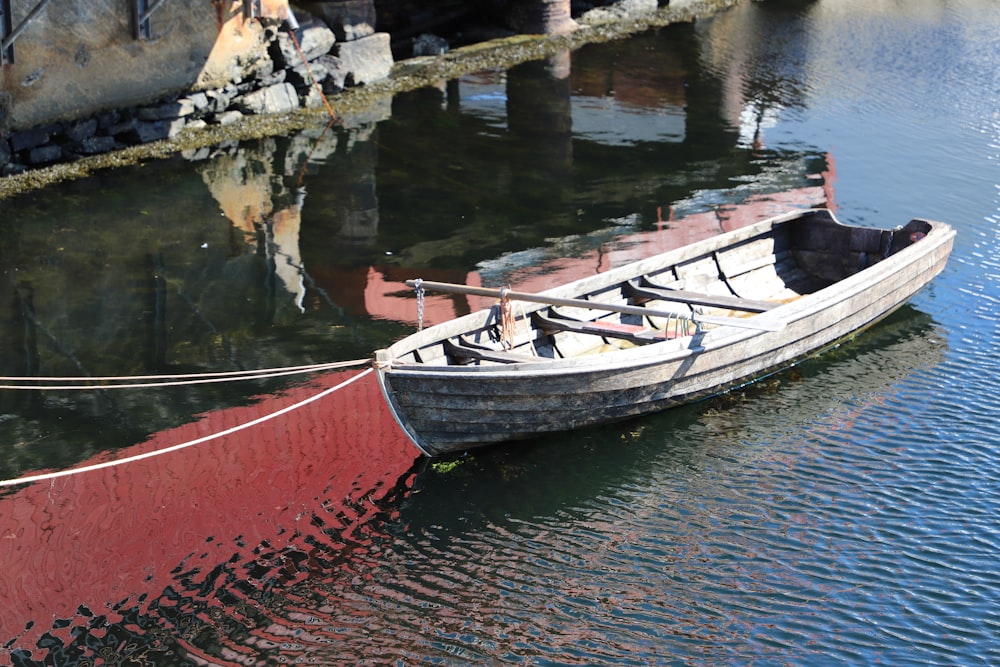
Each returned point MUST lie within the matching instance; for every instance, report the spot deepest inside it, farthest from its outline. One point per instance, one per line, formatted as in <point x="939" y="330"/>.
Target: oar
<point x="755" y="322"/>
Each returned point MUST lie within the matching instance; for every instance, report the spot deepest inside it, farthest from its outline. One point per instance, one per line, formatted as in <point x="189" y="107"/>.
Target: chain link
<point x="418" y="286"/>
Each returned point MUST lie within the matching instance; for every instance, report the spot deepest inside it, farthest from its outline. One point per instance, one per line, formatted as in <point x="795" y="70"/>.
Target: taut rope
<point x="47" y="383"/>
<point x="183" y="445"/>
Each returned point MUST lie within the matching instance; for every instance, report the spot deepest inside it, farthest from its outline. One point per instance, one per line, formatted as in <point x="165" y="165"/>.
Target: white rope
<point x="190" y="443"/>
<point x="169" y="380"/>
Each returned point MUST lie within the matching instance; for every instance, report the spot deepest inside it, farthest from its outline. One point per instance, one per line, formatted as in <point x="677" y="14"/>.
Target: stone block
<point x="220" y="98"/>
<point x="365" y="60"/>
<point x="336" y="75"/>
<point x="108" y="119"/>
<point x="303" y="78"/>
<point x="96" y="145"/>
<point x="6" y="155"/>
<point x="44" y="155"/>
<point x="199" y="101"/>
<point x="124" y="129"/>
<point x="229" y="117"/>
<point x="315" y="39"/>
<point x="31" y="138"/>
<point x="274" y="99"/>
<point x="82" y="129"/>
<point x="159" y="129"/>
<point x="170" y="110"/>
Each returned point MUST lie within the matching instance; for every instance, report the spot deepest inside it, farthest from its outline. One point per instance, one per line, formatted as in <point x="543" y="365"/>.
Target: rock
<point x="199" y="101"/>
<point x="12" y="169"/>
<point x="156" y="130"/>
<point x="336" y="75"/>
<point x="5" y="153"/>
<point x="30" y="138"/>
<point x="44" y="155"/>
<point x="429" y="45"/>
<point x="271" y="80"/>
<point x="220" y="98"/>
<point x="313" y="99"/>
<point x="80" y="130"/>
<point x="315" y="40"/>
<point x="179" y="109"/>
<point x="124" y="130"/>
<point x="108" y="119"/>
<point x="96" y="145"/>
<point x="303" y="78"/>
<point x="349" y="19"/>
<point x="229" y="117"/>
<point x="365" y="60"/>
<point x="274" y="99"/>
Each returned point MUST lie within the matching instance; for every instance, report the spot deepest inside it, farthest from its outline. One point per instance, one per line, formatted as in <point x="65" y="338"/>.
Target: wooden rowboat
<point x="683" y="325"/>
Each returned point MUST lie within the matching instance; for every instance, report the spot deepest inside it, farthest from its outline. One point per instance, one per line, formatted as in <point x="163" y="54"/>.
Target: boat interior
<point x="742" y="280"/>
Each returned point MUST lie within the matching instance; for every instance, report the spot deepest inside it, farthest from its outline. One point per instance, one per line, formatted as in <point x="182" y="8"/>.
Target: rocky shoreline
<point x="311" y="78"/>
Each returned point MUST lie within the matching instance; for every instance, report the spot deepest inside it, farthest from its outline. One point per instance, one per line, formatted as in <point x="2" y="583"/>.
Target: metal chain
<point x="419" y="289"/>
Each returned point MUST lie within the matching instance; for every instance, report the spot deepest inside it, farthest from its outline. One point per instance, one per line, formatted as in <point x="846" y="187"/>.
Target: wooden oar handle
<point x="755" y="322"/>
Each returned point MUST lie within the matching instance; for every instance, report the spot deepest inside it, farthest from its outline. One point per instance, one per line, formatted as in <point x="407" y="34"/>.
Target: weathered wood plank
<point x="637" y="334"/>
<point x="483" y="354"/>
<point x="653" y="291"/>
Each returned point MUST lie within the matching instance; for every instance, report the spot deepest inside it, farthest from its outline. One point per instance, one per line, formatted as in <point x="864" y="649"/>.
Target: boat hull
<point x="446" y="408"/>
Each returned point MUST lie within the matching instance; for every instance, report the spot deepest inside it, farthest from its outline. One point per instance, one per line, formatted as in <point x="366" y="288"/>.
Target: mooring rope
<point x="166" y="380"/>
<point x="189" y="443"/>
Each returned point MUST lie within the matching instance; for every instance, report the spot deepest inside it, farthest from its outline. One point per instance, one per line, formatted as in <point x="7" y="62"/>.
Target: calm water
<point x="843" y="512"/>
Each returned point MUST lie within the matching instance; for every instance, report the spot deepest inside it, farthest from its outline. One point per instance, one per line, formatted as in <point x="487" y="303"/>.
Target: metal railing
<point x="9" y="33"/>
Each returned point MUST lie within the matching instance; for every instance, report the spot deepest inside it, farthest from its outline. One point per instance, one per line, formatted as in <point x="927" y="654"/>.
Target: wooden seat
<point x="649" y="290"/>
<point x="469" y="351"/>
<point x="631" y="332"/>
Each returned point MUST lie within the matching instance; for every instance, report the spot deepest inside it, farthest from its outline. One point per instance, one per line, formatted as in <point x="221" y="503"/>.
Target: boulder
<point x="31" y="138"/>
<point x="82" y="130"/>
<point x="229" y="117"/>
<point x="95" y="145"/>
<point x="170" y="110"/>
<point x="314" y="37"/>
<point x="44" y="155"/>
<point x="159" y="129"/>
<point x="220" y="98"/>
<point x="280" y="98"/>
<point x="365" y="60"/>
<point x="5" y="153"/>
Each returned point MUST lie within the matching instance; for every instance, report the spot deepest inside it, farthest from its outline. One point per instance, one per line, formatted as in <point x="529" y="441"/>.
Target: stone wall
<point x="81" y="84"/>
<point x="229" y="67"/>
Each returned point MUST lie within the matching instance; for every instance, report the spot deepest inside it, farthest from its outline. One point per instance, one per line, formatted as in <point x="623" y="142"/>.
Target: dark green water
<point x="843" y="512"/>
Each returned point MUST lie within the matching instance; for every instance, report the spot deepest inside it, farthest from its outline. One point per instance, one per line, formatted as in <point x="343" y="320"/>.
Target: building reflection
<point x="554" y="170"/>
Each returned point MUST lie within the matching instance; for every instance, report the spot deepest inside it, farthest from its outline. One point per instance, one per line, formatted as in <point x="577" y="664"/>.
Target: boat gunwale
<point x="669" y="350"/>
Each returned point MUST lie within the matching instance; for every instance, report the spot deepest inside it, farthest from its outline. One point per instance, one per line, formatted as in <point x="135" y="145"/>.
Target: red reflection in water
<point x="387" y="296"/>
<point x="119" y="537"/>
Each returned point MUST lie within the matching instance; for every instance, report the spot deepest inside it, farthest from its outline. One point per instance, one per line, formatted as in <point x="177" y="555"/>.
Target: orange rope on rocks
<point x="305" y="63"/>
